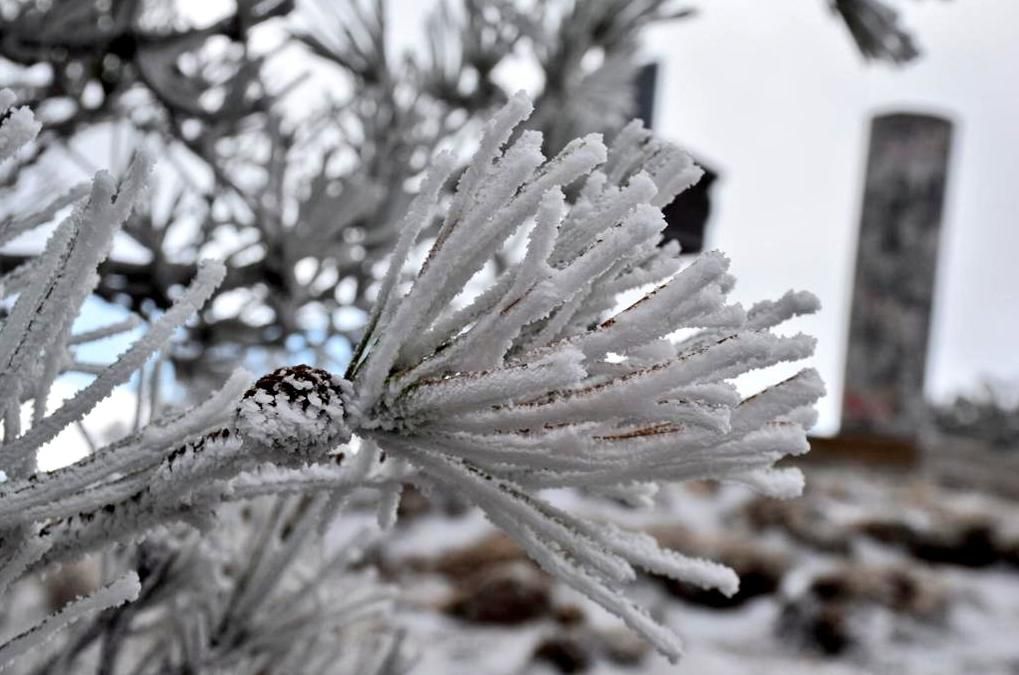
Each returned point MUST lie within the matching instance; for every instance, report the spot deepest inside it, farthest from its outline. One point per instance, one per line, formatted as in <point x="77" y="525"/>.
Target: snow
<point x="977" y="634"/>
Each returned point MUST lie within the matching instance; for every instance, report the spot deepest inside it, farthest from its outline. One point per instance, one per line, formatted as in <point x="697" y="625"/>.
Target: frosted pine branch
<point x="124" y="589"/>
<point x="536" y="384"/>
<point x="177" y="471"/>
<point x="123" y="489"/>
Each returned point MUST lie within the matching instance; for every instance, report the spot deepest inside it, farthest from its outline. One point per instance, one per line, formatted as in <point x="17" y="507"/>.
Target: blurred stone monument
<point x="896" y="262"/>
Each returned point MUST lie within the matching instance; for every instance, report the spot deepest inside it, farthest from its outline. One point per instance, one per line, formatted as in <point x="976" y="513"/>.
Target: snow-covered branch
<point x="539" y="381"/>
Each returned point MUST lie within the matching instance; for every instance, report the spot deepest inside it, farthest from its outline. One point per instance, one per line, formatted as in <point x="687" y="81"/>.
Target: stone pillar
<point x="896" y="260"/>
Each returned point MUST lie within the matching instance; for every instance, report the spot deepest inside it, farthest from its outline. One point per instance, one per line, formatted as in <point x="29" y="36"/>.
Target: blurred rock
<point x="506" y="594"/>
<point x="623" y="647"/>
<point x="1009" y="548"/>
<point x="568" y="654"/>
<point x="491" y="550"/>
<point x="569" y="615"/>
<point x="892" y="532"/>
<point x="760" y="569"/>
<point x="820" y="618"/>
<point x="71" y="581"/>
<point x="413" y="503"/>
<point x="820" y="627"/>
<point x="966" y="542"/>
<point x="801" y="519"/>
<point x="969" y="544"/>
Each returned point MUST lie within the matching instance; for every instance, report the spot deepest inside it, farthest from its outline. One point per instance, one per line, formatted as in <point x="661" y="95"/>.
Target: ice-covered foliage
<point x="537" y="382"/>
<point x="258" y="593"/>
<point x="36" y="345"/>
<point x="176" y="469"/>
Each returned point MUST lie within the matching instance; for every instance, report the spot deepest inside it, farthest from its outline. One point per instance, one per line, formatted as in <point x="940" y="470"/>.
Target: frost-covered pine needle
<point x="537" y="382"/>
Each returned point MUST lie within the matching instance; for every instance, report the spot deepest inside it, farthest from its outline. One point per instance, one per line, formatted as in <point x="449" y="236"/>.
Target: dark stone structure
<point x="687" y="215"/>
<point x="896" y="261"/>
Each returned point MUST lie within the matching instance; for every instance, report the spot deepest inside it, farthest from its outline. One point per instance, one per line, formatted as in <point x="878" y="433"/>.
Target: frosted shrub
<point x="532" y="384"/>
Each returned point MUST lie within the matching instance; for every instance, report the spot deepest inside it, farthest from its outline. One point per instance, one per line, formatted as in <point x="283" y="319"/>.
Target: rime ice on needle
<point x="516" y="392"/>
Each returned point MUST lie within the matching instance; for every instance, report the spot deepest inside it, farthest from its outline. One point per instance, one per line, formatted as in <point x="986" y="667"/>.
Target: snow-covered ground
<point x="875" y="602"/>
